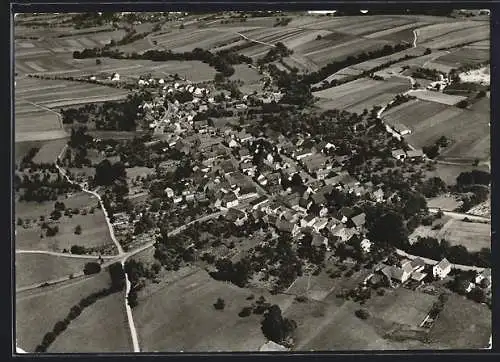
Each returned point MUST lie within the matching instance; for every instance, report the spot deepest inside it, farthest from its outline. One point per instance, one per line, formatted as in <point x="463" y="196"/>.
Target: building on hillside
<point x="414" y="155"/>
<point x="441" y="269"/>
<point x="485" y="274"/>
<point x="229" y="200"/>
<point x="398" y="154"/>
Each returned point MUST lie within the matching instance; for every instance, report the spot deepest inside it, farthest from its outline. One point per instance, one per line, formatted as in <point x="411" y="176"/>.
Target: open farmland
<point x="463" y="324"/>
<point x="449" y="172"/>
<point x="464" y="56"/>
<point x="111" y="336"/>
<point x="162" y="325"/>
<point x="37" y="268"/>
<point x="463" y="36"/>
<point x="437" y="97"/>
<point x="473" y="236"/>
<point x="361" y="93"/>
<point x="38" y="310"/>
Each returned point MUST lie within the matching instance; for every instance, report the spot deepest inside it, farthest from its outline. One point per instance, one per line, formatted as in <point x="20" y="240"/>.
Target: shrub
<point x="77" y="249"/>
<point x="78" y="230"/>
<point x="219" y="304"/>
<point x="91" y="268"/>
<point x="245" y="312"/>
<point x="362" y="314"/>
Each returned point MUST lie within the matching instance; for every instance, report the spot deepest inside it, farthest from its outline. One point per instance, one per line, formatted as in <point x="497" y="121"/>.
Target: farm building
<point x="441" y="269"/>
<point x="398" y="154"/>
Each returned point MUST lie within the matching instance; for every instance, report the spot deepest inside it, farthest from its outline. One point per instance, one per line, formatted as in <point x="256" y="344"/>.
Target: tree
<point x="389" y="230"/>
<point x="98" y="61"/>
<point x="78" y="230"/>
<point x="219" y="304"/>
<point x="275" y="327"/>
<point x="219" y="78"/>
<point x="245" y="312"/>
<point x="462" y="104"/>
<point x="478" y="295"/>
<point x="181" y="27"/>
<point x="19" y="221"/>
<point x="91" y="268"/>
<point x="117" y="275"/>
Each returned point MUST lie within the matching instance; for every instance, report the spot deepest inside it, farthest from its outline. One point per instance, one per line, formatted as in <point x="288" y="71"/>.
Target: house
<point x="258" y="202"/>
<point x="286" y="226"/>
<point x="485" y="274"/>
<point x="366" y="245"/>
<point x="169" y="192"/>
<point x="415" y="154"/>
<point x="418" y="276"/>
<point x="229" y="200"/>
<point x="236" y="216"/>
<point x="441" y="269"/>
<point x="299" y="155"/>
<point x="320" y="224"/>
<point x="394" y="273"/>
<point x="243" y="137"/>
<point x="357" y="221"/>
<point x="398" y="154"/>
<point x="232" y="143"/>
<point x="244" y="154"/>
<point x="345" y="213"/>
<point x="378" y="195"/>
<point x="272" y="208"/>
<point x="308" y="221"/>
<point x="344" y="233"/>
<point x="418" y="264"/>
<point x="318" y="240"/>
<point x="247" y="191"/>
<point x="271" y="346"/>
<point x="227" y="167"/>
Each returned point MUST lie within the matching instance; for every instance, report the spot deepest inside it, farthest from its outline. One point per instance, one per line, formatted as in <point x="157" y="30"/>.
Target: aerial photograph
<point x="251" y="181"/>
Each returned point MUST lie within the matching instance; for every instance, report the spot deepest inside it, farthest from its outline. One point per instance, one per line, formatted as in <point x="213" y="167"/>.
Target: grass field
<point x="161" y="314"/>
<point x="361" y="93"/>
<point x="35" y="209"/>
<point x="401" y="305"/>
<point x="112" y="335"/>
<point x="463" y="324"/>
<point x="38" y="268"/>
<point x="464" y="56"/>
<point x="473" y="236"/>
<point x="38" y="310"/>
<point x="445" y="202"/>
<point x="95" y="232"/>
<point x="449" y="172"/>
<point x="49" y="151"/>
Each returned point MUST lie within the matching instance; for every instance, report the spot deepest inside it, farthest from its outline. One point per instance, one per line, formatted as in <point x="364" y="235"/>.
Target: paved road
<point x="460" y="215"/>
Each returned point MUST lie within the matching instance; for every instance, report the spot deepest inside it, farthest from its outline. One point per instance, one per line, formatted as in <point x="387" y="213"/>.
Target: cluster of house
<point x="411" y="155"/>
<point x="408" y="270"/>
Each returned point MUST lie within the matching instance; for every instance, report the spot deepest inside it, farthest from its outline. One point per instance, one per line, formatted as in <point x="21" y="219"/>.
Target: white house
<point x="441" y="269"/>
<point x="366" y="245"/>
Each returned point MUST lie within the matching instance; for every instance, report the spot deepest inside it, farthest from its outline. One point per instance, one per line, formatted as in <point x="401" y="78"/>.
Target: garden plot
<point x="38" y="121"/>
<point x="369" y="26"/>
<point x="326" y="41"/>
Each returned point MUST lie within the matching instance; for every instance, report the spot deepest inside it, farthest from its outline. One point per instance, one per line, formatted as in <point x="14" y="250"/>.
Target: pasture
<point x="37" y="268"/>
<point x="449" y="172"/>
<point x="445" y="202"/>
<point x="438" y="97"/>
<point x="361" y="93"/>
<point x="162" y="324"/>
<point x="39" y="309"/>
<point x="474" y="236"/>
<point x="113" y="334"/>
<point x="462" y="324"/>
<point x="402" y="306"/>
